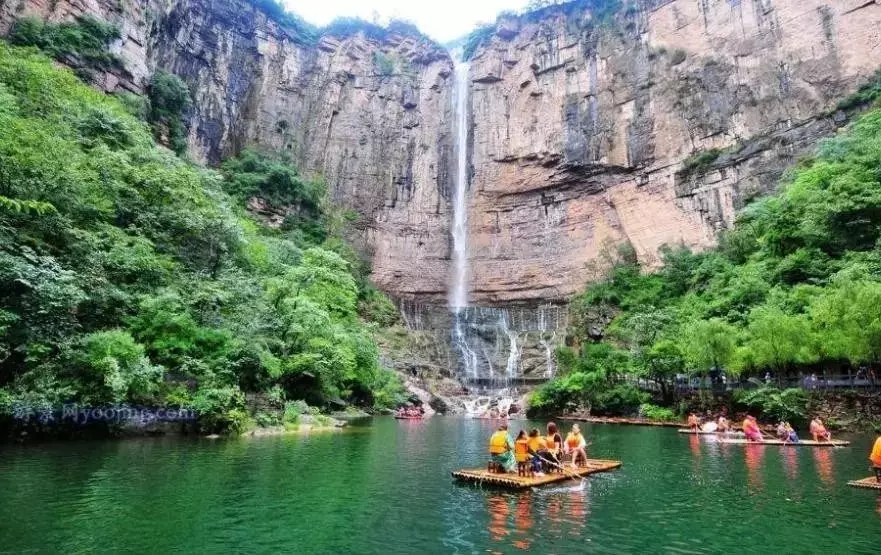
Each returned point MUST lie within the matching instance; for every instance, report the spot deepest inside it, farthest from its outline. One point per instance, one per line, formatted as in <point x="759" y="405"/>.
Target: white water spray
<point x="459" y="292"/>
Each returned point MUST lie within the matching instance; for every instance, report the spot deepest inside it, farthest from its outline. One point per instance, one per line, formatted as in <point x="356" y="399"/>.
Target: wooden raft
<point x="869" y="483"/>
<point x="513" y="481"/>
<point x="617" y="420"/>
<point x="802" y="443"/>
<point x="732" y="433"/>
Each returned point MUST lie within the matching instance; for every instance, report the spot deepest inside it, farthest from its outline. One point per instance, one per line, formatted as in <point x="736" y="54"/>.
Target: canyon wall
<point x="581" y="125"/>
<point x="585" y="123"/>
<point x="369" y="115"/>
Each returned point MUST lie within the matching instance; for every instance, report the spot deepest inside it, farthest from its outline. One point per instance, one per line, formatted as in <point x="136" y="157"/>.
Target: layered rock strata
<point x="581" y="125"/>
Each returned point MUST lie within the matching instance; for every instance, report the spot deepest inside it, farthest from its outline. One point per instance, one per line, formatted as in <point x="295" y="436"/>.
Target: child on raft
<point x="536" y="444"/>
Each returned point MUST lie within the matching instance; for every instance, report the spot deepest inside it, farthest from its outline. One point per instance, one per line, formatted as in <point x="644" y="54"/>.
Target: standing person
<point x="751" y="429"/>
<point x="694" y="422"/>
<point x="575" y="445"/>
<point x="501" y="449"/>
<point x="875" y="457"/>
<point x="819" y="431"/>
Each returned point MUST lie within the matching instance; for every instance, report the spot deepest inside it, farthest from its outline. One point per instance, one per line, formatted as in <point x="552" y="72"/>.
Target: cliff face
<point x="580" y="123"/>
<point x="369" y="115"/>
<point x="372" y="117"/>
<point x="581" y="127"/>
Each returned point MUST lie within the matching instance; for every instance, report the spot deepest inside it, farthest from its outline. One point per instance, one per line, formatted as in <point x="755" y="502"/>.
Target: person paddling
<point x="751" y="429"/>
<point x="575" y="445"/>
<point x="553" y="445"/>
<point x="536" y="444"/>
<point x="819" y="431"/>
<point x="875" y="457"/>
<point x="501" y="449"/>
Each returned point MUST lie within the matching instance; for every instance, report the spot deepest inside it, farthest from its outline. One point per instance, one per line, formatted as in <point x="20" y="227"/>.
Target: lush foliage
<point x="776" y="405"/>
<point x="303" y="31"/>
<point x="655" y="412"/>
<point x="128" y="275"/>
<point x="83" y="42"/>
<point x="794" y="286"/>
<point x="868" y="93"/>
<point x="169" y="100"/>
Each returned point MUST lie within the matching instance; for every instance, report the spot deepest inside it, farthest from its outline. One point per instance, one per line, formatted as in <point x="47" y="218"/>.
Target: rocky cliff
<point x="591" y="124"/>
<point x="370" y="115"/>
<point x="582" y="120"/>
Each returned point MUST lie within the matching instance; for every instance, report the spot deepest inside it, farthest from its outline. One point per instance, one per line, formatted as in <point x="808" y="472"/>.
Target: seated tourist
<point x="501" y="449"/>
<point x="575" y="445"/>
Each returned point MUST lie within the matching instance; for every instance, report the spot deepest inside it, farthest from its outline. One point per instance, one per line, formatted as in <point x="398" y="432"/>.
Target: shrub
<point x="654" y="412"/>
<point x="86" y="39"/>
<point x="677" y="57"/>
<point x="169" y="102"/>
<point x="867" y="94"/>
<point x="788" y="404"/>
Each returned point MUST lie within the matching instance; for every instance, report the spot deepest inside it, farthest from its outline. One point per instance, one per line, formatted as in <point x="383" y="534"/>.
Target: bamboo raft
<point x="619" y="420"/>
<point x="802" y="443"/>
<point x="731" y="433"/>
<point x="868" y="483"/>
<point x="514" y="481"/>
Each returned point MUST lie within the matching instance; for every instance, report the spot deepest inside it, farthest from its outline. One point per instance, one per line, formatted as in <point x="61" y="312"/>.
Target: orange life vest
<point x="535" y="444"/>
<point x="875" y="457"/>
<point x="551" y="444"/>
<point x="521" y="450"/>
<point x="573" y="440"/>
<point x="498" y="443"/>
<point x="693" y="421"/>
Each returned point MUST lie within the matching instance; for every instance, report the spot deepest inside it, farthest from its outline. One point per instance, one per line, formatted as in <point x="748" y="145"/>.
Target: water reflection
<point x="754" y="471"/>
<point x="823" y="462"/>
<point x="499" y="511"/>
<point x="694" y="443"/>
<point x="790" y="462"/>
<point x="561" y="511"/>
<point x="523" y="521"/>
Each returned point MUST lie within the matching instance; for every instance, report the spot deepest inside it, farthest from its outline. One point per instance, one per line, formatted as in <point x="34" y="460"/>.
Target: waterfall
<point x="459" y="292"/>
<point x="485" y="339"/>
<point x="459" y="289"/>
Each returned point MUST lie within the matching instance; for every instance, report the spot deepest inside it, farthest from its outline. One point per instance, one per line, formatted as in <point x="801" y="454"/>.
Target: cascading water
<point x="486" y="340"/>
<point x="459" y="290"/>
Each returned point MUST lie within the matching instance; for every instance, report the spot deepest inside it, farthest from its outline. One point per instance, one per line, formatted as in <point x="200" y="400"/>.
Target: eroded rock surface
<point x="580" y="127"/>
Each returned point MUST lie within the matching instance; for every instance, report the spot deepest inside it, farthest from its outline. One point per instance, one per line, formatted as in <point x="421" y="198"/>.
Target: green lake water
<point x="384" y="486"/>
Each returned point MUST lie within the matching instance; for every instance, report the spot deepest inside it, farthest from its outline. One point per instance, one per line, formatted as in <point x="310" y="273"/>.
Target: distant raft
<point x="731" y="434"/>
<point x="802" y="443"/>
<point x="514" y="481"/>
<point x="869" y="483"/>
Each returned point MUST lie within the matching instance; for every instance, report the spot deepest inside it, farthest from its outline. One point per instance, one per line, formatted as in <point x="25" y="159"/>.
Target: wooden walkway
<point x="513" y="481"/>
<point x="868" y="483"/>
<point x="802" y="443"/>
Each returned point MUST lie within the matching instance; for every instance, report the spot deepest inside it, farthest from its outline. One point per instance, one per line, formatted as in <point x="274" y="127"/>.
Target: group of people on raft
<point x="540" y="452"/>
<point x="752" y="432"/>
<point x="410" y="412"/>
